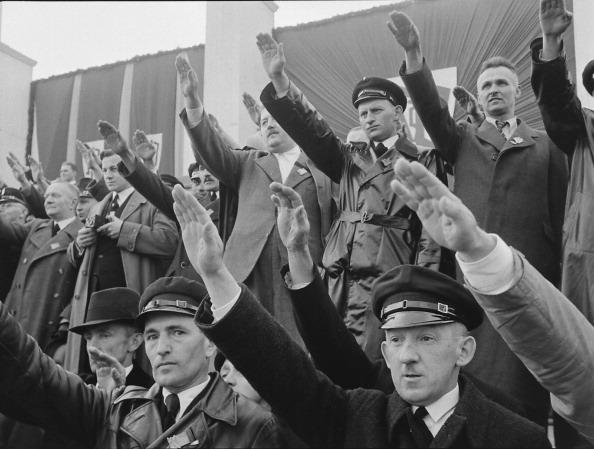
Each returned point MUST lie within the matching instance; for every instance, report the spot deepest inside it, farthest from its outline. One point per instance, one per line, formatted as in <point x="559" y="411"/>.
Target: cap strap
<point x="406" y="304"/>
<point x="177" y="303"/>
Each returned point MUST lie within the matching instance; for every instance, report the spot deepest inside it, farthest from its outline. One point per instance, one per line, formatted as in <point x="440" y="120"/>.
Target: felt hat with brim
<point x="111" y="305"/>
<point x="410" y="296"/>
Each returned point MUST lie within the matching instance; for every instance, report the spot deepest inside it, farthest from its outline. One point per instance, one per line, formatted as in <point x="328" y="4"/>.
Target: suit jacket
<point x="249" y="174"/>
<point x="571" y="127"/>
<point x="325" y="415"/>
<point x="515" y="188"/>
<point x="34" y="389"/>
<point x="147" y="242"/>
<point x="551" y="337"/>
<point x="44" y="279"/>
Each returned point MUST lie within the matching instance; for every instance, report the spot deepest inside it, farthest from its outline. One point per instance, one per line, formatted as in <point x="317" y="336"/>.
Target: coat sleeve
<point x="14" y="233"/>
<point x="333" y="348"/>
<point x="35" y="389"/>
<point x="98" y="189"/>
<point x="35" y="201"/>
<point x="159" y="239"/>
<point x="308" y="129"/>
<point x="559" y="105"/>
<point x="279" y="370"/>
<point x="149" y="185"/>
<point x="210" y="150"/>
<point x="552" y="338"/>
<point x="433" y="111"/>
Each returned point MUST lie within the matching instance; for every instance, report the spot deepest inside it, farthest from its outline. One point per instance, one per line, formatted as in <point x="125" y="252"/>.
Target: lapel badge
<point x="516" y="140"/>
<point x="54" y="246"/>
<point x="301" y="171"/>
<point x="178" y="441"/>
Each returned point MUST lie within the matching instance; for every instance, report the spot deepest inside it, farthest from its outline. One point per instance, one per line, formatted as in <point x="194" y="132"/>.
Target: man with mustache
<point x="511" y="176"/>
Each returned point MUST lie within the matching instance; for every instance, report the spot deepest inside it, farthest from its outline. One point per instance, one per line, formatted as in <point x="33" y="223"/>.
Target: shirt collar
<point x="186" y="396"/>
<point x="63" y="223"/>
<point x="512" y="122"/>
<point x="293" y="153"/>
<point x="128" y="369"/>
<point x="443" y="405"/>
<point x="388" y="143"/>
<point x="123" y="195"/>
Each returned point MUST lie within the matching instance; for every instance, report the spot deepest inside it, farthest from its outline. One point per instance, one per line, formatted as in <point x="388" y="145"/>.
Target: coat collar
<point x="57" y="243"/>
<point x="299" y="173"/>
<point x="269" y="164"/>
<point x="522" y="138"/>
<point x="402" y="147"/>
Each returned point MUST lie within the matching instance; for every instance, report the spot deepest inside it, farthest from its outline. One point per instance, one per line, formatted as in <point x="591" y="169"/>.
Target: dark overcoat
<point x="325" y="415"/>
<point x="571" y="127"/>
<point x="44" y="279"/>
<point x="516" y="189"/>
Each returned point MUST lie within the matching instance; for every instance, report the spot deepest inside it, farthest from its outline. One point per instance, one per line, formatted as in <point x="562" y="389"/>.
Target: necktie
<point x="380" y="149"/>
<point x="500" y="124"/>
<point x="172" y="404"/>
<point x="114" y="206"/>
<point x="55" y="229"/>
<point x="420" y="433"/>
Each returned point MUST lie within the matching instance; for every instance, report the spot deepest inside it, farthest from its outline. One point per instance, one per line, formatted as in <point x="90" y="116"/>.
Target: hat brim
<point x="414" y="318"/>
<point x="82" y="328"/>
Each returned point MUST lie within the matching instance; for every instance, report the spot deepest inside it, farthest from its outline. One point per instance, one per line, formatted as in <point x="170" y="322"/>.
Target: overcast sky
<point x="65" y="36"/>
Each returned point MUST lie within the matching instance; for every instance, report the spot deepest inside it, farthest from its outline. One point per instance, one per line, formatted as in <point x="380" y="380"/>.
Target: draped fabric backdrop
<point x="67" y="107"/>
<point x="327" y="58"/>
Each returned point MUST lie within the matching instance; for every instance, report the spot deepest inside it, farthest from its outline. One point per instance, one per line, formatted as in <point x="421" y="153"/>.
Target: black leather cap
<point x="372" y="88"/>
<point x="173" y="295"/>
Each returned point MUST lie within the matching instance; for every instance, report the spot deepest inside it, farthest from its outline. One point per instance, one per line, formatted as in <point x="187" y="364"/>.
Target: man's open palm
<point x="404" y="30"/>
<point x="273" y="55"/>
<point x="554" y="17"/>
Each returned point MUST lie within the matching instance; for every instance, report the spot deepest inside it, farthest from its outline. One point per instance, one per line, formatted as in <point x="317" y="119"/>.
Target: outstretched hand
<point x="405" y="31"/>
<point x="188" y="81"/>
<point x="252" y="107"/>
<point x="469" y="103"/>
<point x="273" y="55"/>
<point x="110" y="373"/>
<point x="18" y="170"/>
<point x="554" y="17"/>
<point x="201" y="239"/>
<point x="113" y="139"/>
<point x="292" y="222"/>
<point x="449" y="222"/>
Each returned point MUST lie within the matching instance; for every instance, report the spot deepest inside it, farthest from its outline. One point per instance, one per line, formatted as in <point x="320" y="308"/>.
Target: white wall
<point x="583" y="14"/>
<point x="16" y="71"/>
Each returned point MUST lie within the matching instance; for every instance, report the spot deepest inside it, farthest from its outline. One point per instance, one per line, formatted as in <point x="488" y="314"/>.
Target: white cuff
<point x="494" y="273"/>
<point x="219" y="312"/>
<point x="195" y="116"/>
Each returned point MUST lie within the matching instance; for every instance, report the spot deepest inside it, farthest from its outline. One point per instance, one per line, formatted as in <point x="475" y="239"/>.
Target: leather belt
<point x="388" y="221"/>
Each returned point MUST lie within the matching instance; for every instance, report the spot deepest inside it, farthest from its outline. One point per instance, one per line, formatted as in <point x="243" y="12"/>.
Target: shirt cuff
<point x="494" y="273"/>
<point x="195" y="116"/>
<point x="219" y="313"/>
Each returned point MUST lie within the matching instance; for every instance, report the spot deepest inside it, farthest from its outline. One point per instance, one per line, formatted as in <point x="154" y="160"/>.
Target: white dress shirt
<point x="494" y="273"/>
<point x="439" y="411"/>
<point x="63" y="223"/>
<point x="122" y="197"/>
<point x="388" y="143"/>
<point x="507" y="131"/>
<point x="186" y="396"/>
<point x="287" y="160"/>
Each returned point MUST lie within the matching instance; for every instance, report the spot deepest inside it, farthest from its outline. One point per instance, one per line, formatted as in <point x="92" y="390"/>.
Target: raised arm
<point x="272" y="362"/>
<point x="433" y="110"/>
<point x="333" y="348"/>
<point x="559" y="105"/>
<point x="539" y="324"/>
<point x="289" y="107"/>
<point x="208" y="146"/>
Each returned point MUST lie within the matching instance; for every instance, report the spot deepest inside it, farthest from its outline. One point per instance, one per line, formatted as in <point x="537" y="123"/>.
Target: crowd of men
<point x="303" y="291"/>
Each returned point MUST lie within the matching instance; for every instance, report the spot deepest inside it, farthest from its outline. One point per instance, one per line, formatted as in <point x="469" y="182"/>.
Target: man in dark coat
<point x="512" y="177"/>
<point x="111" y="327"/>
<point x="425" y="315"/>
<point x="203" y="411"/>
<point x="374" y="230"/>
<point x="571" y="127"/>
<point x="253" y="251"/>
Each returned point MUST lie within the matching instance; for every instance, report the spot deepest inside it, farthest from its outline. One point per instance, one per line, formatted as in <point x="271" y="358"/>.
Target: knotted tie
<point x="380" y="149"/>
<point x="172" y="404"/>
<point x="55" y="229"/>
<point x="114" y="206"/>
<point x="420" y="433"/>
<point x="500" y="124"/>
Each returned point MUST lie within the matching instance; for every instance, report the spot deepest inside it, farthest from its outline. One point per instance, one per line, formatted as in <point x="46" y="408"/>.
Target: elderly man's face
<point x="116" y="339"/>
<point x="425" y="360"/>
<point x="379" y="119"/>
<point x="178" y="351"/>
<point x="60" y="201"/>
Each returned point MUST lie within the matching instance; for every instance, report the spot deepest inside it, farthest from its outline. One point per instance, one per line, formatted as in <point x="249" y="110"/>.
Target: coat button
<point x="56" y="295"/>
<point x="77" y="296"/>
<point x="84" y="272"/>
<point x="25" y="260"/>
<point x="494" y="156"/>
<point x="183" y="264"/>
<point x="60" y="270"/>
<point x="100" y="256"/>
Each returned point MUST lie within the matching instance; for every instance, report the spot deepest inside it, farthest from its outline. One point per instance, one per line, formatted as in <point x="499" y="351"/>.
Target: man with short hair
<point x="68" y="172"/>
<point x="111" y="327"/>
<point x="374" y="230"/>
<point x="253" y="251"/>
<point x="511" y="176"/>
<point x="85" y="199"/>
<point x="186" y="406"/>
<point x="425" y="316"/>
